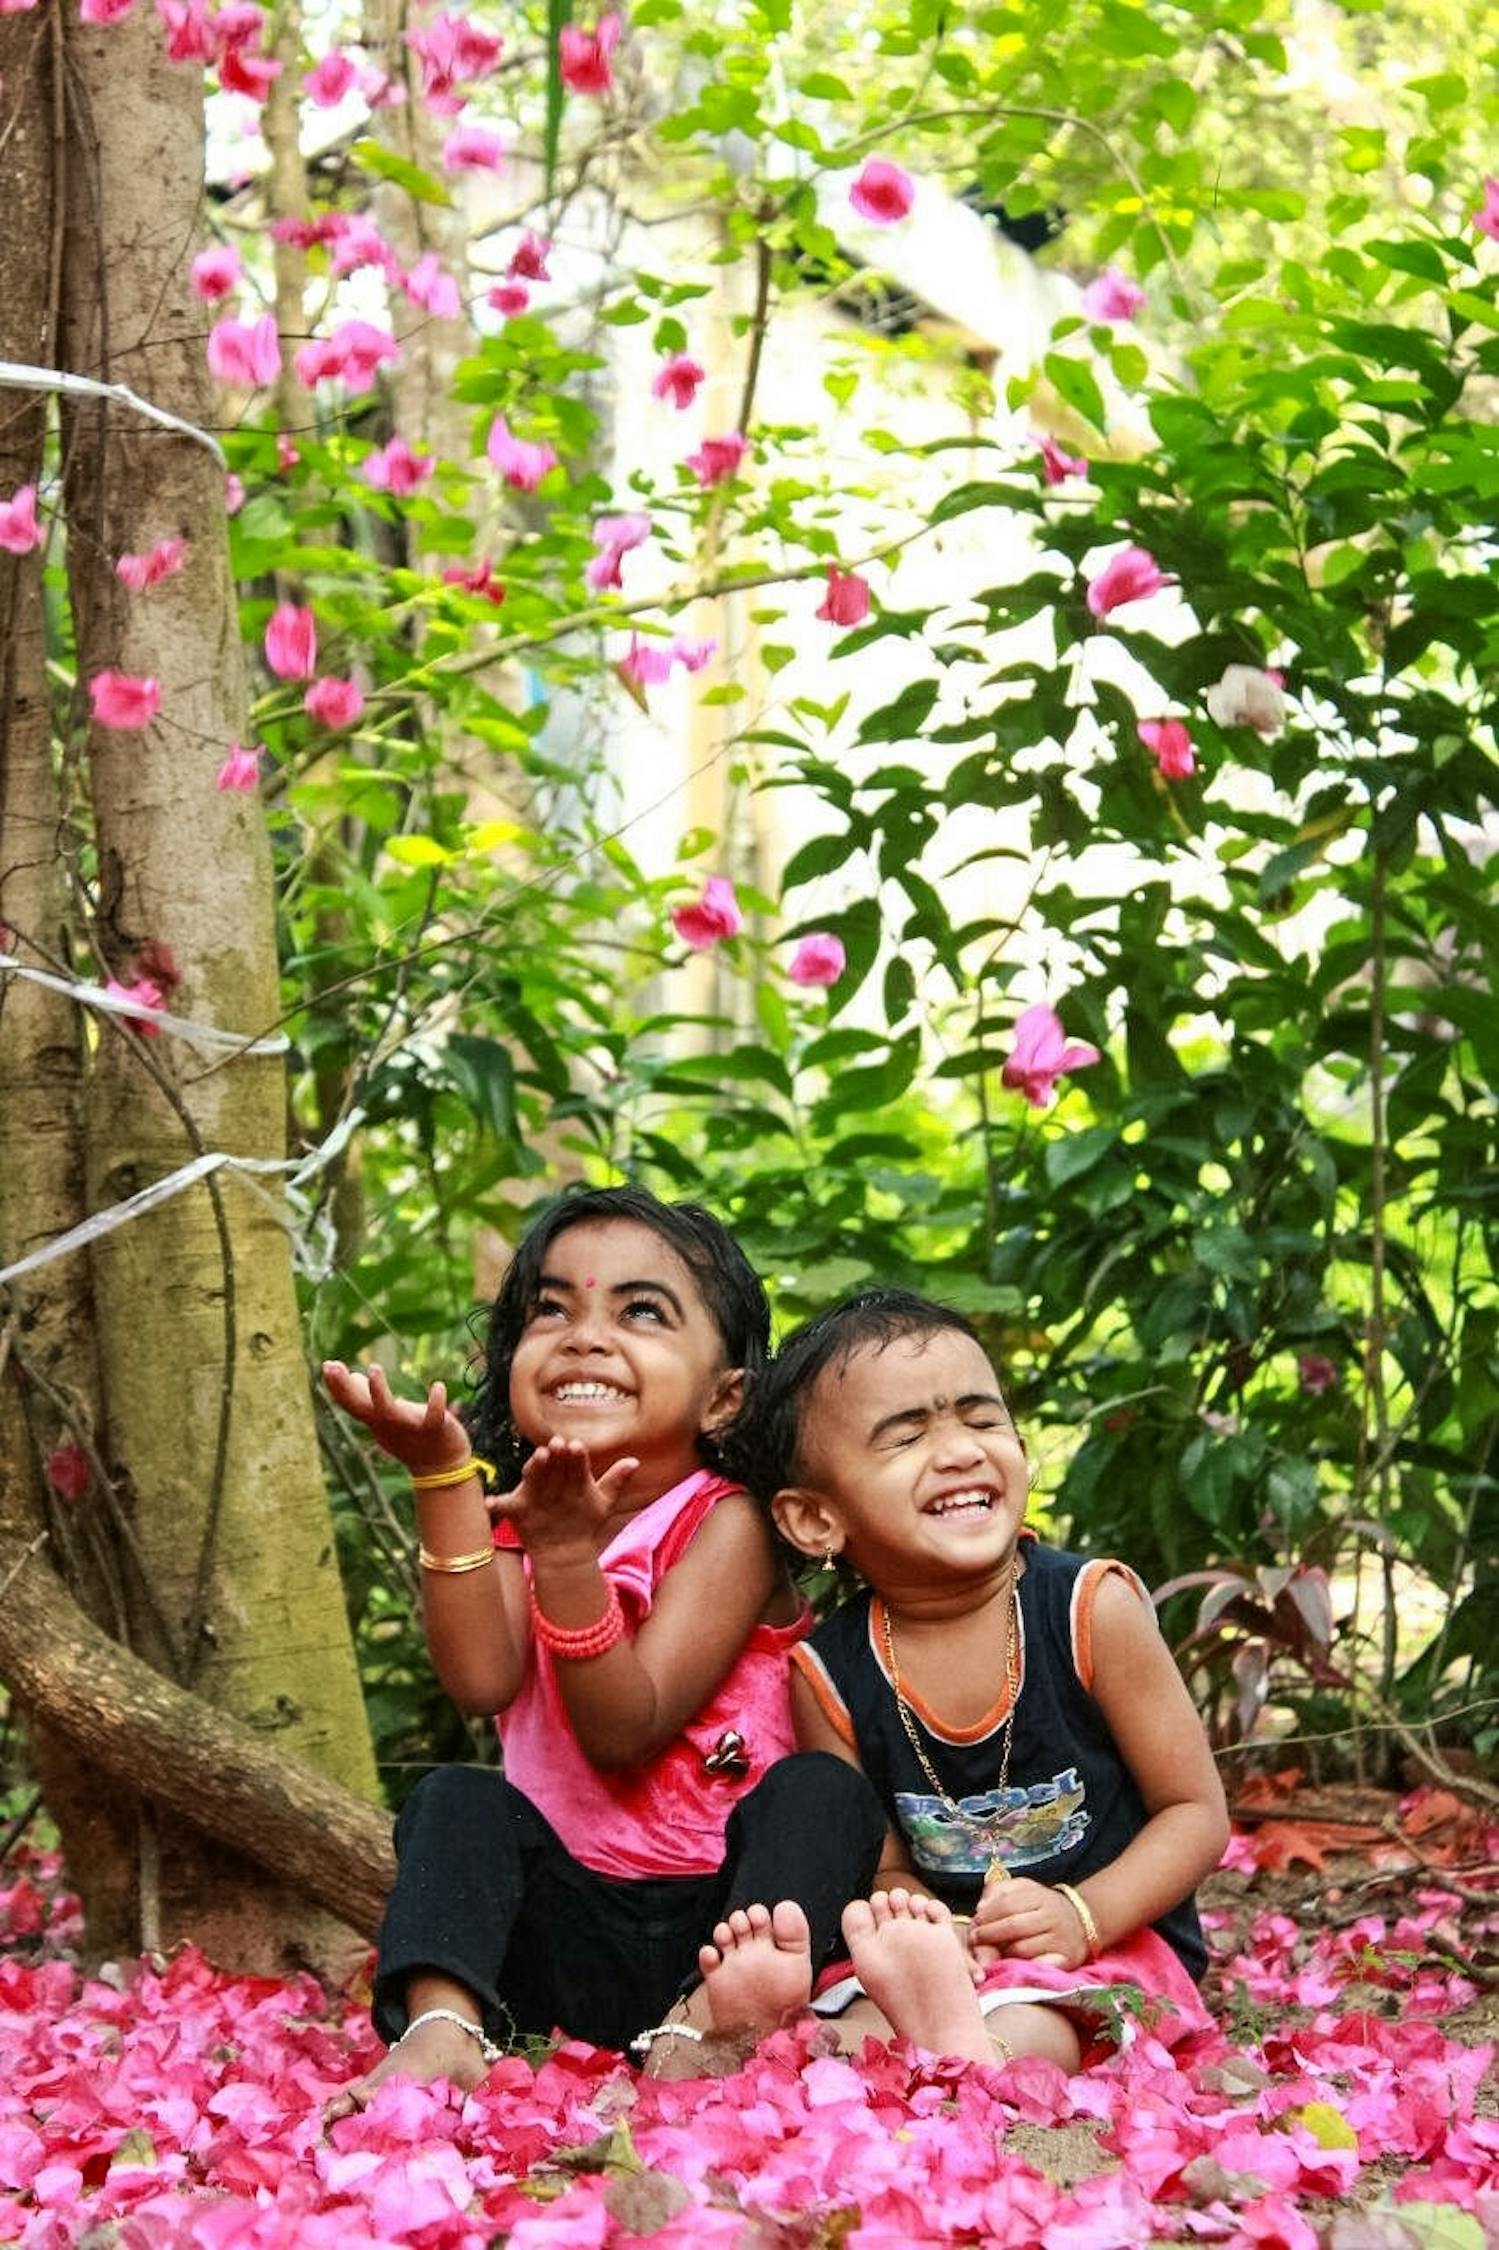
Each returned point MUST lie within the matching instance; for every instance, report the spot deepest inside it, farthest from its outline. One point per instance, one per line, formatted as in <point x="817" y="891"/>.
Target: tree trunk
<point x="207" y="1417"/>
<point x="203" y="1769"/>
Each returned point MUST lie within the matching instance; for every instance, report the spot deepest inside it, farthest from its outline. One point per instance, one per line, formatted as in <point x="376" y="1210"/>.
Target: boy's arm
<point x="1156" y="1729"/>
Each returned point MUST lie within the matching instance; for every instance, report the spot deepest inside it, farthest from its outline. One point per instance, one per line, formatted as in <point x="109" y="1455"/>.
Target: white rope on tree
<point x="16" y="376"/>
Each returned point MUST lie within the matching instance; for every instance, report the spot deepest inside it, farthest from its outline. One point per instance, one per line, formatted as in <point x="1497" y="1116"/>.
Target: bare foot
<point x="915" y="1968"/>
<point x="433" y="2051"/>
<point x="758" y="1970"/>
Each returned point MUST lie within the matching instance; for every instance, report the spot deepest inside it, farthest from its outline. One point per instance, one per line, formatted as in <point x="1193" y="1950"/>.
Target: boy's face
<point x="910" y="1454"/>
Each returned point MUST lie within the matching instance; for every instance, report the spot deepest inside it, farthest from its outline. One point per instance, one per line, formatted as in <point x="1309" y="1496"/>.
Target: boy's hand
<point x="422" y="1435"/>
<point x="559" y="1505"/>
<point x="1028" y="1922"/>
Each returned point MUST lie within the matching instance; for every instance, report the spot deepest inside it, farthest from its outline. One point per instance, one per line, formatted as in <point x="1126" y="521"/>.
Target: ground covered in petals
<point x="1348" y="2103"/>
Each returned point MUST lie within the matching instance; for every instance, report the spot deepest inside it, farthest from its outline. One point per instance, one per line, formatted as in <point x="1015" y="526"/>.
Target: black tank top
<point x="1070" y="1804"/>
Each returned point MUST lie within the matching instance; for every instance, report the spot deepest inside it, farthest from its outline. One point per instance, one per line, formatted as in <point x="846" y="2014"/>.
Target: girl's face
<point x="911" y="1454"/>
<point x="620" y="1351"/>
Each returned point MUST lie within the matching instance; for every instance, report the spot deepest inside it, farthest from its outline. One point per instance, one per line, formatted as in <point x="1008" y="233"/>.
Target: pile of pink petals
<point x="180" y="2109"/>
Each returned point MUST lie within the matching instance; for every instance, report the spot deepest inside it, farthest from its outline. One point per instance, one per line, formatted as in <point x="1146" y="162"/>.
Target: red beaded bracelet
<point x="577" y="1643"/>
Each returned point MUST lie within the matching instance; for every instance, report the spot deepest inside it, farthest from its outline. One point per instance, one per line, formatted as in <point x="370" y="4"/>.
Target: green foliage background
<point x="1287" y="1149"/>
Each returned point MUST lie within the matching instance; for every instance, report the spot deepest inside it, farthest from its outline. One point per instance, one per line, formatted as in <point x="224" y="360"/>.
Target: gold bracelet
<point x="1084" y="1913"/>
<point x="454" y="1564"/>
<point x="459" y="1473"/>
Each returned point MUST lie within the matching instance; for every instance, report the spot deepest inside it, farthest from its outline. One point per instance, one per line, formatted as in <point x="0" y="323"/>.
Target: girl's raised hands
<point x="422" y="1435"/>
<point x="559" y="1504"/>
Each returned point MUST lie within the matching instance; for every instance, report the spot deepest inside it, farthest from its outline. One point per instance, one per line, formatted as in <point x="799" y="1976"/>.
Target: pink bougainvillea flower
<point x="287" y="455"/>
<point x="529" y="262"/>
<point x="333" y="702"/>
<point x="234" y="493"/>
<point x="480" y="580"/>
<point x="472" y="148"/>
<point x="713" y="916"/>
<point x="395" y="468"/>
<point x="353" y="355"/>
<point x="164" y="560"/>
<point x="329" y="80"/>
<point x="1056" y="465"/>
<point x="718" y="458"/>
<point x="614" y="536"/>
<point x="20" y="531"/>
<point x="819" y="959"/>
<point x="584" y="55"/>
<point x="509" y="298"/>
<point x="693" y="655"/>
<point x="882" y="192"/>
<point x="247" y="353"/>
<point x="1316" y="1373"/>
<point x="123" y="701"/>
<point x="452" y="50"/>
<point x="647" y="663"/>
<point x="520" y="462"/>
<point x="1486" y="217"/>
<point x="1172" y="745"/>
<point x="357" y="242"/>
<point x="215" y="271"/>
<point x="192" y="34"/>
<point x="243" y="69"/>
<point x="104" y="11"/>
<point x="291" y="642"/>
<point x="1112" y="296"/>
<point x="678" y="379"/>
<point x="846" y="601"/>
<point x="68" y="1471"/>
<point x="1246" y="696"/>
<point x="435" y="291"/>
<point x="311" y="234"/>
<point x="144" y="993"/>
<point x="17" y="7"/>
<point x="1129" y="576"/>
<point x="1041" y="1053"/>
<point x="241" y="769"/>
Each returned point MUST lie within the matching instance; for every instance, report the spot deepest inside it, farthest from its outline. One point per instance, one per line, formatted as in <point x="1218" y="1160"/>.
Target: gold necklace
<point x="1010" y="1669"/>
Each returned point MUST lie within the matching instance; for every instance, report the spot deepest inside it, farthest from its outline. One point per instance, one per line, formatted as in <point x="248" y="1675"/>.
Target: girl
<point x="1051" y="1797"/>
<point x="630" y="1624"/>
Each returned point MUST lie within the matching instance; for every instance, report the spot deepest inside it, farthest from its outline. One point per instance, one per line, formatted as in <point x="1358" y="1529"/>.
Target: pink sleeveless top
<point x="667" y="1818"/>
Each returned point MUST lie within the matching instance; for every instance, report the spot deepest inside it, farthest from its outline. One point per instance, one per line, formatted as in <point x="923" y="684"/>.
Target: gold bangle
<point x="455" y="1564"/>
<point x="1084" y="1913"/>
<point x="459" y="1473"/>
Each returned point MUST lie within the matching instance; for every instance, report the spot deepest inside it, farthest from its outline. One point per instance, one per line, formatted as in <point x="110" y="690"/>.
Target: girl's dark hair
<point x="763" y="1447"/>
<point x="727" y="1282"/>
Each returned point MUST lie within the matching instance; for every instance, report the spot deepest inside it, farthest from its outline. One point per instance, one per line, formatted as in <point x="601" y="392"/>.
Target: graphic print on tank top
<point x="1021" y="1826"/>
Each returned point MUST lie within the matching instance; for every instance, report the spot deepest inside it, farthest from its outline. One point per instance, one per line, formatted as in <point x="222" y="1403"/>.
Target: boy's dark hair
<point x="730" y="1288"/>
<point x="763" y="1448"/>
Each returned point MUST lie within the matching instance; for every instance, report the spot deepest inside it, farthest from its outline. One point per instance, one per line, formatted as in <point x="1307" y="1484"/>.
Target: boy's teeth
<point x="956" y="1500"/>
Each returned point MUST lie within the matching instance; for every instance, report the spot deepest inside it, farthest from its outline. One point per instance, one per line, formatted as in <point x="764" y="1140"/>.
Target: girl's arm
<point x="627" y="1704"/>
<point x="1144" y="1699"/>
<point x="476" y="1623"/>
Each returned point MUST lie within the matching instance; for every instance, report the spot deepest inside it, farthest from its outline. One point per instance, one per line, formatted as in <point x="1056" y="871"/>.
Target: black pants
<point x="487" y="1893"/>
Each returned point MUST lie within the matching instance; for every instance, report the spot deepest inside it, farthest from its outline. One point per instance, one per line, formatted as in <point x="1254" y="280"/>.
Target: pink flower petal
<point x="882" y="192"/>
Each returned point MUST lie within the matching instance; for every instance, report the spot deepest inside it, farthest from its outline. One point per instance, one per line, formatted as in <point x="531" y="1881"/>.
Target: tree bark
<point x="206" y="1429"/>
<point x="202" y="1768"/>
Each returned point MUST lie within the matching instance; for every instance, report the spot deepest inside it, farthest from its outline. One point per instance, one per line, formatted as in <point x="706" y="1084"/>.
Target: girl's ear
<point x="728" y="1397"/>
<point x="805" y="1519"/>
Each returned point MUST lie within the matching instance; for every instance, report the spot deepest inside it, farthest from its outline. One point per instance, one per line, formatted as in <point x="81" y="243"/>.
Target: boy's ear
<point x="804" y="1517"/>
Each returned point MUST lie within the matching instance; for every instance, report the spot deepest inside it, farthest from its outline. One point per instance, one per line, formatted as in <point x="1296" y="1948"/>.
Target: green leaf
<point x="383" y="164"/>
<point x="901" y="720"/>
<point x="1074" y="381"/>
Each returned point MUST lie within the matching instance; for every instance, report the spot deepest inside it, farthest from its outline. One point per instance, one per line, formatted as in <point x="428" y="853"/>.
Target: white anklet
<point x="487" y="2047"/>
<point x="643" y="2041"/>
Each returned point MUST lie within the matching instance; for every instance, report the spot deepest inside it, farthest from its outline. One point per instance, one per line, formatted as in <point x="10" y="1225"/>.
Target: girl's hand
<point x="559" y="1506"/>
<point x="421" y="1435"/>
<point x="1028" y="1922"/>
